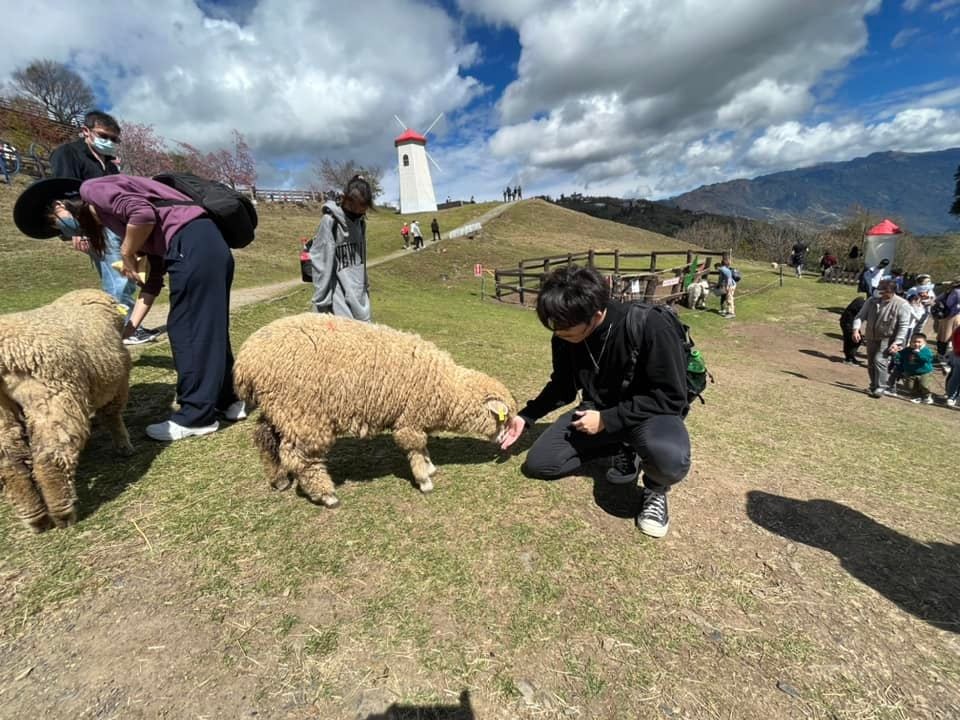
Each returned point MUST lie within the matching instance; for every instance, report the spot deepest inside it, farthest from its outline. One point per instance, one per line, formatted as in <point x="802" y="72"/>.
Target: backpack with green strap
<point x="697" y="374"/>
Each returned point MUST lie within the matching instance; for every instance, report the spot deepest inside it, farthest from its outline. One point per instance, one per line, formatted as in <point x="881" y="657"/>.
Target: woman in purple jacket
<point x="182" y="243"/>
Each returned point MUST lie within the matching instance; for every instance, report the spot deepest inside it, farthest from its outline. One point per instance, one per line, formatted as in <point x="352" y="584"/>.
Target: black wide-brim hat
<point x="31" y="213"/>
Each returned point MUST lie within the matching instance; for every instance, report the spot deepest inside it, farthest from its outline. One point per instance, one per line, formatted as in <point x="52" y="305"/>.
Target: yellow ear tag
<point x="501" y="416"/>
<point x="122" y="310"/>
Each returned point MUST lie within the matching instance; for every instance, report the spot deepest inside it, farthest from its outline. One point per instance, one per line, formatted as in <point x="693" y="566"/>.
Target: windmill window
<point x="406" y="160"/>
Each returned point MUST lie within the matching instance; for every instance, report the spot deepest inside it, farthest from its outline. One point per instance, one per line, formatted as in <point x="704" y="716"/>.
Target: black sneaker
<point x="140" y="336"/>
<point x="625" y="467"/>
<point x="654" y="520"/>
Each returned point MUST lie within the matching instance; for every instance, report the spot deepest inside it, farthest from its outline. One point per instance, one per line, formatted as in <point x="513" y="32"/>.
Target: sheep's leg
<point x="112" y="414"/>
<point x="310" y="469"/>
<point x="414" y="443"/>
<point x="15" y="477"/>
<point x="431" y="468"/>
<point x="267" y="439"/>
<point x="58" y="429"/>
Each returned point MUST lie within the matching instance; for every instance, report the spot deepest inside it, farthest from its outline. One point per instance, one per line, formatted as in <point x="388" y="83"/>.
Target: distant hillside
<point x="916" y="189"/>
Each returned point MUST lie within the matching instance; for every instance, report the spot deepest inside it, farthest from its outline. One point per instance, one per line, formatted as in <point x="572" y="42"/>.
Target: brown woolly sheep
<point x="58" y="365"/>
<point x="319" y="377"/>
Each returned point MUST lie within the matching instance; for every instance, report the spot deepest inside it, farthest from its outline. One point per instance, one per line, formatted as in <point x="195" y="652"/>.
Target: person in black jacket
<point x="640" y="425"/>
<point x="846" y="328"/>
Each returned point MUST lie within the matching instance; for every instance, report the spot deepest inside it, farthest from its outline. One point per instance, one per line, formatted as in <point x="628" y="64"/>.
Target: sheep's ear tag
<point x="499" y="409"/>
<point x="122" y="310"/>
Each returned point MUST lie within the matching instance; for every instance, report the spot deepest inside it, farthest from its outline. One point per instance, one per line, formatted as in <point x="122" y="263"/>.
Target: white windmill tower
<point x="416" y="185"/>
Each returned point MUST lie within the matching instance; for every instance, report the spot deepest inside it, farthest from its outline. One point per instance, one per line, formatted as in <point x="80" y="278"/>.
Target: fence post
<point x="569" y="259"/>
<point x="653" y="262"/>
<point x="590" y="262"/>
<point x="689" y="256"/>
<point x="616" y="261"/>
<point x="520" y="282"/>
<point x="496" y="280"/>
<point x="546" y="265"/>
<point x="781" y="274"/>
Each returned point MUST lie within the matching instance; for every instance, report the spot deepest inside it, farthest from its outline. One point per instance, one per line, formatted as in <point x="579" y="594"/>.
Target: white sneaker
<point x="169" y="431"/>
<point x="951" y="402"/>
<point x="236" y="411"/>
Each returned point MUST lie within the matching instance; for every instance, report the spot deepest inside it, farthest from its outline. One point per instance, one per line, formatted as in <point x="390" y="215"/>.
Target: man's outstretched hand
<point x="515" y="429"/>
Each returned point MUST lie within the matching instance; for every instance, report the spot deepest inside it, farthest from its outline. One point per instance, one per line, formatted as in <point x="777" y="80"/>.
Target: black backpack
<point x="233" y="212"/>
<point x="939" y="309"/>
<point x="697" y="374"/>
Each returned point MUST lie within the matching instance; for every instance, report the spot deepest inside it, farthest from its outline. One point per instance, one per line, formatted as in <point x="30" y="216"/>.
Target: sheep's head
<point x="487" y="406"/>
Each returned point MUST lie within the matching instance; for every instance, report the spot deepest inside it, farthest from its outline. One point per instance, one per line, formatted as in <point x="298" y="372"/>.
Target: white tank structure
<point x="416" y="185"/>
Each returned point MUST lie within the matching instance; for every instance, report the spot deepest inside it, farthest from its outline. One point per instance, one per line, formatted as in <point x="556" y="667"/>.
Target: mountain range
<point x="913" y="189"/>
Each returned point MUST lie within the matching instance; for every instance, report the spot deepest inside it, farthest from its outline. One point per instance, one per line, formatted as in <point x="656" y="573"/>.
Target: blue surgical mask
<point x="105" y="147"/>
<point x="68" y="226"/>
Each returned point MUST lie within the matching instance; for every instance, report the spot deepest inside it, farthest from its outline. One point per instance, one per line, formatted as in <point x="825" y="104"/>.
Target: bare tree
<point x="62" y="92"/>
<point x="336" y="175"/>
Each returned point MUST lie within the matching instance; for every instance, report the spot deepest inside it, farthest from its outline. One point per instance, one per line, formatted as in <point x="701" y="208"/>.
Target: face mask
<point x="105" y="147"/>
<point x="68" y="226"/>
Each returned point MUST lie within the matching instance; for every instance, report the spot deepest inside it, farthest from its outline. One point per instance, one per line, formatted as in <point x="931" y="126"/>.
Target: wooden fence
<point x="35" y="162"/>
<point x="655" y="277"/>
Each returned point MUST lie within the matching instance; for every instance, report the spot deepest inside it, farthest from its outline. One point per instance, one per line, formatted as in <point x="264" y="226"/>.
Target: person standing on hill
<point x="882" y="322"/>
<point x="631" y="373"/>
<point x="949" y="321"/>
<point x="339" y="254"/>
<point x="435" y="229"/>
<point x="94" y="155"/>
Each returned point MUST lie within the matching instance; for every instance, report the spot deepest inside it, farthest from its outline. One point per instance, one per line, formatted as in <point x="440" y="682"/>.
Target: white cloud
<point x="903" y="37"/>
<point x="911" y="5"/>
<point x="298" y="78"/>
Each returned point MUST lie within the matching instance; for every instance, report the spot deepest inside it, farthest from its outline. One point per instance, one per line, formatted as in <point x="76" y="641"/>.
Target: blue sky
<point x="636" y="98"/>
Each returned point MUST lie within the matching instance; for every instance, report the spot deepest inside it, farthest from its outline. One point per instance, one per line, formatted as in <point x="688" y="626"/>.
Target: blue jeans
<point x="113" y="283"/>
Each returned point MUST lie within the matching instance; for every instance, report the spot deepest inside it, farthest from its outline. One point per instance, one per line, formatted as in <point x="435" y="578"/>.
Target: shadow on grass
<point x="164" y="362"/>
<point x="919" y="577"/>
<point x="822" y="355"/>
<point x="102" y="474"/>
<point x="397" y="711"/>
<point x="365" y="459"/>
<point x="834" y="336"/>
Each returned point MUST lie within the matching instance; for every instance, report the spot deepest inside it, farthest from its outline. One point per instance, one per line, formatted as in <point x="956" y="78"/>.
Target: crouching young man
<point x="639" y="423"/>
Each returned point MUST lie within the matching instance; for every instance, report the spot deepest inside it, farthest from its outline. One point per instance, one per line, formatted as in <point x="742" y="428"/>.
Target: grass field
<point x="810" y="570"/>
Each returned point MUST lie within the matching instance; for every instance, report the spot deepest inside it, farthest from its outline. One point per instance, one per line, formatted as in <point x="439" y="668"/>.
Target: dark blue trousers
<point x="199" y="273"/>
<point x="661" y="441"/>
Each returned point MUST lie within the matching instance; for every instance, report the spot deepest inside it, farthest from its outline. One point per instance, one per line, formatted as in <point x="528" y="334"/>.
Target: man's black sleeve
<point x="561" y="388"/>
<point x="659" y="385"/>
<point x="63" y="163"/>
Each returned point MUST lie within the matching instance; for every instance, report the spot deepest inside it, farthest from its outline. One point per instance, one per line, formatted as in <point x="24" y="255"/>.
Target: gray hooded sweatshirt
<point x="339" y="258"/>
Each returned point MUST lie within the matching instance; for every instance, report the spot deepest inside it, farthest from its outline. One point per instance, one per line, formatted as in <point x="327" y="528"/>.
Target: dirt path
<point x="249" y="296"/>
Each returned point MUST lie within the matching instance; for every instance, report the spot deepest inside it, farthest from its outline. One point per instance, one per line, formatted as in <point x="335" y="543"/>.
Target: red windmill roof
<point x="410" y="136"/>
<point x="884" y="228"/>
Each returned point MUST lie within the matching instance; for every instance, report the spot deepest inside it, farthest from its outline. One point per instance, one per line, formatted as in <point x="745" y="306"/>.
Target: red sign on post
<point x="478" y="270"/>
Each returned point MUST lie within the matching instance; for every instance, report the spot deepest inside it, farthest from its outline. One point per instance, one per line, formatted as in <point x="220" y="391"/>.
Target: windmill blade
<point x="430" y="158"/>
<point x="400" y="121"/>
<point x="432" y="124"/>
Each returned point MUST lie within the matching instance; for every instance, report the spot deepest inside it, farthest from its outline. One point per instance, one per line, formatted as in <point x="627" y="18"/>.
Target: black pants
<point x="661" y="442"/>
<point x="436" y="236"/>
<point x="849" y="346"/>
<point x="200" y="273"/>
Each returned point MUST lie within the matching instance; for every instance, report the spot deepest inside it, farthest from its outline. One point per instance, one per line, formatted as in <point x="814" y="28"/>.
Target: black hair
<point x="571" y="296"/>
<point x="886" y="285"/>
<point x="358" y="189"/>
<point x="90" y="227"/>
<point x="918" y="334"/>
<point x="98" y="117"/>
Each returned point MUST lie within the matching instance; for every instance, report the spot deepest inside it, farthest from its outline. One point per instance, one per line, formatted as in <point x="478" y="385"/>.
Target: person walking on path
<point x="339" y="254"/>
<point x="184" y="245"/>
<point x="798" y="258"/>
<point x="882" y="322"/>
<point x="632" y="376"/>
<point x="435" y="229"/>
<point x="417" y="235"/>
<point x="405" y="235"/>
<point x="916" y="369"/>
<point x="953" y="378"/>
<point x="94" y="156"/>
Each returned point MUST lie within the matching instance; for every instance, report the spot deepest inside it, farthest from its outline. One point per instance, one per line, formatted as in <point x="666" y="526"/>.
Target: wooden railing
<point x="654" y="277"/>
<point x="35" y="162"/>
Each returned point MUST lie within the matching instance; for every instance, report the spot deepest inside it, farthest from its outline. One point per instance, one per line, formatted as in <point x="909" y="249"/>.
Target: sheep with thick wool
<point x="319" y="377"/>
<point x="59" y="364"/>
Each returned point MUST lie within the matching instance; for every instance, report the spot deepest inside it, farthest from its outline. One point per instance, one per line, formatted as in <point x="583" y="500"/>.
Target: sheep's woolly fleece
<point x="58" y="365"/>
<point x="318" y="377"/>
